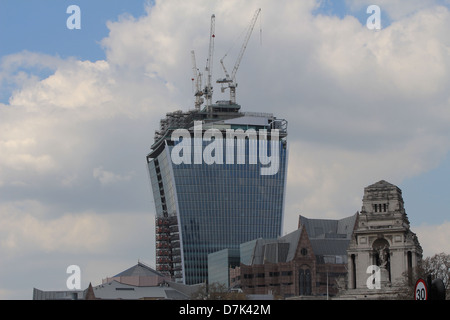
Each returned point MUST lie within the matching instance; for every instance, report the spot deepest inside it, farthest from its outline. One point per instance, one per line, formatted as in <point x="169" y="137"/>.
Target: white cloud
<point x="26" y="228"/>
<point x="329" y="182"/>
<point x="29" y="228"/>
<point x="362" y="106"/>
<point x="74" y="84"/>
<point x="396" y="9"/>
<point x="17" y="157"/>
<point x="433" y="238"/>
<point x="106" y="177"/>
<point x="36" y="248"/>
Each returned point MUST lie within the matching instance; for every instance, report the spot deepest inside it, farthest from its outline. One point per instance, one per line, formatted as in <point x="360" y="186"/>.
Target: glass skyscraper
<point x="215" y="198"/>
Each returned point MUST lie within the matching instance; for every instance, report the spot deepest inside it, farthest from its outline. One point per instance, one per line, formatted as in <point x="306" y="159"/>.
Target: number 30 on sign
<point x="420" y="290"/>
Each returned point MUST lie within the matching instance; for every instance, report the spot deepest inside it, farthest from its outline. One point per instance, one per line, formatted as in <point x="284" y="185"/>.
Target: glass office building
<point x="219" y="264"/>
<point x="204" y="206"/>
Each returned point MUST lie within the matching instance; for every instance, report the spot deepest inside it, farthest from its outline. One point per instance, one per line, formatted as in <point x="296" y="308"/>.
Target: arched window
<point x="381" y="254"/>
<point x="304" y="282"/>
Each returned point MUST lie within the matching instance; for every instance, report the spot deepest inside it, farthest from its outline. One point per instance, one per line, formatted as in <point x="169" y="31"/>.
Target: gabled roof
<point x="141" y="270"/>
<point x="116" y="290"/>
<point x="327" y="237"/>
<point x="186" y="290"/>
<point x="276" y="250"/>
<point x="293" y="239"/>
<point x="327" y="228"/>
<point x="330" y="247"/>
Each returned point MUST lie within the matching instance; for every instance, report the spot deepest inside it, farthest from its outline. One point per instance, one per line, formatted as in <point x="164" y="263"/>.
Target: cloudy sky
<point x="78" y="110"/>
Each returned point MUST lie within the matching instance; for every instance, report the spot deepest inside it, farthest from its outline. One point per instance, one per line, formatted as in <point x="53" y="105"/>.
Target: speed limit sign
<point x="420" y="290"/>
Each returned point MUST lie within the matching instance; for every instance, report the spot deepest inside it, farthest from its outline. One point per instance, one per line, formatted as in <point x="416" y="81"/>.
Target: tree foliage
<point x="216" y="291"/>
<point x="438" y="266"/>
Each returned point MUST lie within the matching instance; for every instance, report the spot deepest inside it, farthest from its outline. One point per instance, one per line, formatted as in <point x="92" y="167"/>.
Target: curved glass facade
<point x="224" y="205"/>
<point x="218" y="206"/>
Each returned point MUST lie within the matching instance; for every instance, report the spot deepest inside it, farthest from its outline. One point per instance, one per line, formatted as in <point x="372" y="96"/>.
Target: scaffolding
<point x="168" y="253"/>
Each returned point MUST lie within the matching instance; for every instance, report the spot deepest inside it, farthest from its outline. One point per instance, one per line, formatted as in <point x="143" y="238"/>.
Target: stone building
<point x="383" y="252"/>
<point x="371" y="254"/>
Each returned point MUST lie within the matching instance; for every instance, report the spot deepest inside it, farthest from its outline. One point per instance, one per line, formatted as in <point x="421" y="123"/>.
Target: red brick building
<point x="307" y="262"/>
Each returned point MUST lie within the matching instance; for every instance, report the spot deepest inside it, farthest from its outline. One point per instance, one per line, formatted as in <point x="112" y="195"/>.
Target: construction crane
<point x="208" y="91"/>
<point x="231" y="79"/>
<point x="197" y="79"/>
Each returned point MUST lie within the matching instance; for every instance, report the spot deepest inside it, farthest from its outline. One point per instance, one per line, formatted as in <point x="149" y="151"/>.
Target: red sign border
<point x="426" y="288"/>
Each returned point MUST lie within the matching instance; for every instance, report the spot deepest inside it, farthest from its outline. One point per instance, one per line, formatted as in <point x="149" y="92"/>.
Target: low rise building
<point x="310" y="261"/>
<point x="372" y="254"/>
<point x="140" y="282"/>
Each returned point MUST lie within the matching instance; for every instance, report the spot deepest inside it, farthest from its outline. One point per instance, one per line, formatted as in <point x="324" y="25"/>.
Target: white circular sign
<point x="420" y="290"/>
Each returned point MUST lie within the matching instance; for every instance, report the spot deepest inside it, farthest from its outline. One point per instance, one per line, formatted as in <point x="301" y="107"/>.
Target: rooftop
<point x="141" y="270"/>
<point x="221" y="114"/>
<point x="328" y="228"/>
<point x="329" y="240"/>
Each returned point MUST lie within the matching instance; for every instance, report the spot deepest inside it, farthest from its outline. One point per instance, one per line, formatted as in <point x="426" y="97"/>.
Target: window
<point x="304" y="251"/>
<point x="380" y="207"/>
<point x="304" y="282"/>
<point x="274" y="274"/>
<point x="353" y="257"/>
<point x="409" y="263"/>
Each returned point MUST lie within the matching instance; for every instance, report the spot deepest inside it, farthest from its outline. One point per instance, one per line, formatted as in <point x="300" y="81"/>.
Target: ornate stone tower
<point x="383" y="249"/>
